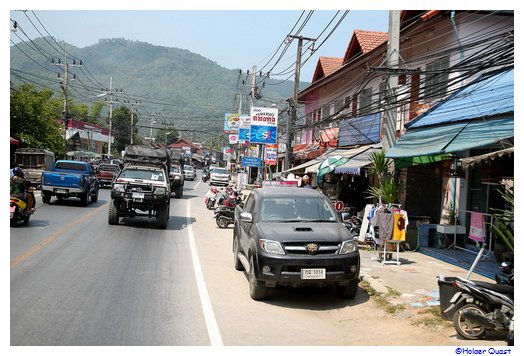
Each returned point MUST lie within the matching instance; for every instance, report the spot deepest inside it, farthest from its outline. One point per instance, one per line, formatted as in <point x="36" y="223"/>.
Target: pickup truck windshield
<point x="143" y="174"/>
<point x="72" y="166"/>
<point x="297" y="210"/>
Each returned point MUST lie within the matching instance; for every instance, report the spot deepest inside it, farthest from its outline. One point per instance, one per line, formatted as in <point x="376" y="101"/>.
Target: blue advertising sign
<point x="251" y="162"/>
<point x="263" y="134"/>
<point x="243" y="135"/>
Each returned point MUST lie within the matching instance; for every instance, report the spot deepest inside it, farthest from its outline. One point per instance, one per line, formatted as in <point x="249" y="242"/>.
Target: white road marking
<point x="212" y="328"/>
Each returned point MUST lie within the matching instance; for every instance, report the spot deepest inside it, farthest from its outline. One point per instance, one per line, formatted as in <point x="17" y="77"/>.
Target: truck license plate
<point x="61" y="191"/>
<point x="138" y="195"/>
<point x="313" y="273"/>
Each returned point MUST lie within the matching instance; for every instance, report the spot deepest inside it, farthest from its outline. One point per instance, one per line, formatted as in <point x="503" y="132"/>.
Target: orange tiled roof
<point x="364" y="42"/>
<point x="326" y="66"/>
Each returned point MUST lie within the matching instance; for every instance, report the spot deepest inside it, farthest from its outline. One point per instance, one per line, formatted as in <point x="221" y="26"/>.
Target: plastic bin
<point x="446" y="292"/>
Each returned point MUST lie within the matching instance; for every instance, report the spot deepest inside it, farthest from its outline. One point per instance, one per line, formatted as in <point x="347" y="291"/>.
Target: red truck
<point x="106" y="172"/>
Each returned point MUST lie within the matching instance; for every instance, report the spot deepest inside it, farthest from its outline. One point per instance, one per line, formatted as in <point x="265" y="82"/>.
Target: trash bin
<point x="446" y="291"/>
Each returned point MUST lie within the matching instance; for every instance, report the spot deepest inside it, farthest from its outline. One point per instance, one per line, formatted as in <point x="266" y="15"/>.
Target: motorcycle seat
<point x="499" y="288"/>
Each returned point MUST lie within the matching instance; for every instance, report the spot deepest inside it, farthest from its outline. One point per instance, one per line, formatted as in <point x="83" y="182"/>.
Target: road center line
<point x="53" y="237"/>
<point x="212" y="328"/>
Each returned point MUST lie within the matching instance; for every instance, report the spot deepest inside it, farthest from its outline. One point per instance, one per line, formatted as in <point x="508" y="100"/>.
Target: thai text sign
<point x="250" y="162"/>
<point x="271" y="155"/>
<point x="264" y="123"/>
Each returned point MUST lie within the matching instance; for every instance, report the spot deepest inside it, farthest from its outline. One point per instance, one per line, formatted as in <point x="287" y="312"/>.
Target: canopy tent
<point x="452" y="137"/>
<point x="472" y="161"/>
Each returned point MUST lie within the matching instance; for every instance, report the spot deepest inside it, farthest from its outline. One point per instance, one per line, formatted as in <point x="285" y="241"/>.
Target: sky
<point x="234" y="39"/>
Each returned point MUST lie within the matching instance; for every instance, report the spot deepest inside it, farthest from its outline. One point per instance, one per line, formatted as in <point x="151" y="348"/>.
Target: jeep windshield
<point x="293" y="209"/>
<point x="143" y="174"/>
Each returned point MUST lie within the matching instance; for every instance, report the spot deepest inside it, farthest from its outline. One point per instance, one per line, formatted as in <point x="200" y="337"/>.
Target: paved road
<point x="75" y="280"/>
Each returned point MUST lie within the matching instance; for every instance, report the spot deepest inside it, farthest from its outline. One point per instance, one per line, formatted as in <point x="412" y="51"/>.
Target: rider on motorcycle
<point x="20" y="188"/>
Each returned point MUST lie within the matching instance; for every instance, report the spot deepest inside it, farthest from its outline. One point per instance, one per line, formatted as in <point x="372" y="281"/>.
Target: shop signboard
<point x="232" y="123"/>
<point x="233" y="139"/>
<point x="271" y="155"/>
<point x="264" y="123"/>
<point x="280" y="183"/>
<point x="243" y="135"/>
<point x="251" y="162"/>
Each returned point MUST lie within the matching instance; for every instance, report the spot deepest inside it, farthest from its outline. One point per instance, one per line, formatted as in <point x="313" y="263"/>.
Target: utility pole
<point x="64" y="85"/>
<point x="110" y="93"/>
<point x="132" y="104"/>
<point x="392" y="60"/>
<point x="152" y="120"/>
<point x="293" y="107"/>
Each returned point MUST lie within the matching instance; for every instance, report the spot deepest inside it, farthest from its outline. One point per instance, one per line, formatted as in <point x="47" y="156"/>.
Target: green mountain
<point x="192" y="93"/>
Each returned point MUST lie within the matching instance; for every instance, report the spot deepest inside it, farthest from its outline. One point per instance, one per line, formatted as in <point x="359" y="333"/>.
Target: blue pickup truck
<point x="70" y="179"/>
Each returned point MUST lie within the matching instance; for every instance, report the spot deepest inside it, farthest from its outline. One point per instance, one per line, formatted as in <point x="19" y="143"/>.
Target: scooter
<point x="480" y="306"/>
<point x="211" y="197"/>
<point x="224" y="216"/>
<point x="205" y="176"/>
<point x="20" y="212"/>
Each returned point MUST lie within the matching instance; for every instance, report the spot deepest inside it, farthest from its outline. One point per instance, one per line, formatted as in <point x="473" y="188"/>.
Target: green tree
<point x="167" y="136"/>
<point x="96" y="112"/>
<point x="121" y="127"/>
<point x="36" y="118"/>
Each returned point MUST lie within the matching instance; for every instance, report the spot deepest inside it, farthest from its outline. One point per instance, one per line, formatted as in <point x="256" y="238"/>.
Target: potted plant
<point x="503" y="225"/>
<point x="387" y="189"/>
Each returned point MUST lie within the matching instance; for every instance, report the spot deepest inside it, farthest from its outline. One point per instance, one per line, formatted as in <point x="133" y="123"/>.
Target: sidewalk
<point x="415" y="278"/>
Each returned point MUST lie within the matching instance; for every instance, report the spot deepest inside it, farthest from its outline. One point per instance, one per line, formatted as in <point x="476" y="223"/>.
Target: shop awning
<point x="452" y="137"/>
<point x="472" y="161"/>
<point x="355" y="163"/>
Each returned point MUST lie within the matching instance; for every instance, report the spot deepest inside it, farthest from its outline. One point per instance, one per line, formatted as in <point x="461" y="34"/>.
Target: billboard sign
<point x="263" y="134"/>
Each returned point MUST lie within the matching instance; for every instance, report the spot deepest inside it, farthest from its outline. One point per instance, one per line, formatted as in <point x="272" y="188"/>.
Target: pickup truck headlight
<point x="271" y="246"/>
<point x="119" y="188"/>
<point x="160" y="191"/>
<point x="348" y="246"/>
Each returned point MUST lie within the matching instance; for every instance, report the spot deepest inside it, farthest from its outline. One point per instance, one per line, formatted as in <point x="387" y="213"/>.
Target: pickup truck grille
<point x="300" y="248"/>
<point x="135" y="188"/>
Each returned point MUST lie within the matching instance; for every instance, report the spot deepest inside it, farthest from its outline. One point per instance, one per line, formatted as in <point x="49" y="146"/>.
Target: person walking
<point x="305" y="182"/>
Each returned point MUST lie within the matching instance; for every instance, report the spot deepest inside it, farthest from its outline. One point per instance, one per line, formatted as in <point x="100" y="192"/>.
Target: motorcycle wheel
<point x="14" y="220"/>
<point x="221" y="222"/>
<point x="469" y="329"/>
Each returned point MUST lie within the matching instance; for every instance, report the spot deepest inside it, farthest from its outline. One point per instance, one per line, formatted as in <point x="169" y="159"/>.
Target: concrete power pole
<point x="293" y="106"/>
<point x="64" y="85"/>
<point x="110" y="92"/>
<point x="392" y="60"/>
<point x="136" y="102"/>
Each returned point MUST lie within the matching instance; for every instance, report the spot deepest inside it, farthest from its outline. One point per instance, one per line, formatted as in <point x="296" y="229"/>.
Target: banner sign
<point x="279" y="183"/>
<point x="233" y="138"/>
<point x="264" y="123"/>
<point x="243" y="135"/>
<point x="232" y="123"/>
<point x="360" y="130"/>
<point x="263" y="134"/>
<point x="251" y="162"/>
<point x="271" y="155"/>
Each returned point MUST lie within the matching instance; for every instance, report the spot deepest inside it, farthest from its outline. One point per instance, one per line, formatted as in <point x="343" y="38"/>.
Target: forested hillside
<point x="189" y="91"/>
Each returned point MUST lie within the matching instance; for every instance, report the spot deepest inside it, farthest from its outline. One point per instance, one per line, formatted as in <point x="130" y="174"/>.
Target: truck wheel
<point x="113" y="213"/>
<point x="257" y="289"/>
<point x="46" y="197"/>
<point x="94" y="198"/>
<point x="349" y="291"/>
<point x="162" y="215"/>
<point x="469" y="329"/>
<point x="84" y="199"/>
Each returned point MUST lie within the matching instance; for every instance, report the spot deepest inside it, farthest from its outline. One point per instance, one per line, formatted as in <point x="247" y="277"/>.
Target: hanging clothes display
<point x="387" y="224"/>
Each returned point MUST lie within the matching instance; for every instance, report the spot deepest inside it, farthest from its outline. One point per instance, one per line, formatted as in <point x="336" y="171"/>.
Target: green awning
<point x="415" y="161"/>
<point x="451" y="137"/>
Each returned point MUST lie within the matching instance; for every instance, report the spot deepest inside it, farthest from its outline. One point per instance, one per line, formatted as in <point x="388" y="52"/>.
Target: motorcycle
<point x="211" y="197"/>
<point x="481" y="306"/>
<point x="20" y="212"/>
<point x="225" y="214"/>
<point x="205" y="176"/>
<point x="506" y="274"/>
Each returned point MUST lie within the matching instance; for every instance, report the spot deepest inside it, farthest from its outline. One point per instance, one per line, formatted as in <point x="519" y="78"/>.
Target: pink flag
<point x="477" y="227"/>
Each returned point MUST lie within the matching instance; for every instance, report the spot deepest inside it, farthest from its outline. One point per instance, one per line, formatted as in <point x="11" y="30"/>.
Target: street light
<point x="167" y="133"/>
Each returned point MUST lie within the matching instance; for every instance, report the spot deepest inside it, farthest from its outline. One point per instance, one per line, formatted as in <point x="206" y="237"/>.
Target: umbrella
<point x="329" y="164"/>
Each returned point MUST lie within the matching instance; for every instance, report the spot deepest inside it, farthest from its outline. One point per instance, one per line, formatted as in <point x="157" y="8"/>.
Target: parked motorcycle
<point x="225" y="213"/>
<point x="211" y="197"/>
<point x="506" y="274"/>
<point x="481" y="306"/>
<point x="20" y="212"/>
<point x="205" y="176"/>
<point x="224" y="216"/>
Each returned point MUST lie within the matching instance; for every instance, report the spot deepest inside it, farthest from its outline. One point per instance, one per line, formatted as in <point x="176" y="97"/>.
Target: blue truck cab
<point x="70" y="179"/>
